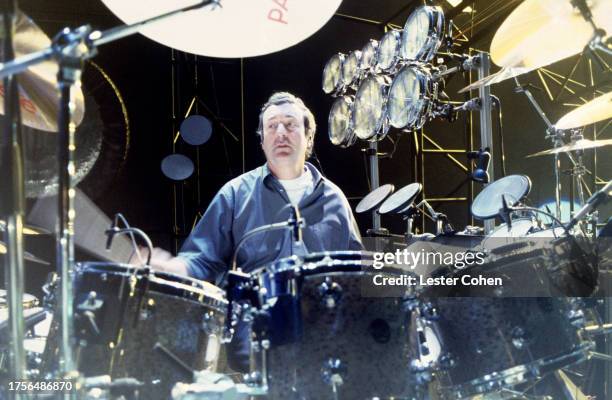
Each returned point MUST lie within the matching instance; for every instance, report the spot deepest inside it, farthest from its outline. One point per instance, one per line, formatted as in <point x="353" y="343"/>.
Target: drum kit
<point x="314" y="330"/>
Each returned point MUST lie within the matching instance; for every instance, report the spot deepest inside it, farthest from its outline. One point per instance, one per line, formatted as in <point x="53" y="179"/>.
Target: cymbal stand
<point x="12" y="200"/>
<point x="552" y="133"/>
<point x="70" y="48"/>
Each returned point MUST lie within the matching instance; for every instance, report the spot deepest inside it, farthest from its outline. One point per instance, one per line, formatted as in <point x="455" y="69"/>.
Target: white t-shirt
<point x="299" y="187"/>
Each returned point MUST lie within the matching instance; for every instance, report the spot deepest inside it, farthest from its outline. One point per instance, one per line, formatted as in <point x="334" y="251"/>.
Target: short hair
<point x="310" y="126"/>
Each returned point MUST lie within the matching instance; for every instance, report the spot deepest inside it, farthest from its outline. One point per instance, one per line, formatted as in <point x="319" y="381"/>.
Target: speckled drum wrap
<point x="178" y="313"/>
<point x="369" y="335"/>
<point x="484" y="336"/>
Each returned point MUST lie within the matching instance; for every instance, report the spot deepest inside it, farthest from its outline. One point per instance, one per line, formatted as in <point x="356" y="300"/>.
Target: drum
<point x="132" y="322"/>
<point x="491" y="344"/>
<point x="319" y="337"/>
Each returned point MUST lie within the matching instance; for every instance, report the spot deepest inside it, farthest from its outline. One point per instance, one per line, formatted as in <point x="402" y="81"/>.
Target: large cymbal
<point x="27" y="229"/>
<point x="598" y="109"/>
<point x="500" y="76"/>
<point x="38" y="94"/>
<point x="582" y="144"/>
<point x="541" y="32"/>
<point x="236" y="28"/>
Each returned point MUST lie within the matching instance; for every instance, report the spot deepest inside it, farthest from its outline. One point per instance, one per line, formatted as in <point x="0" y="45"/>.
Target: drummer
<point x="263" y="196"/>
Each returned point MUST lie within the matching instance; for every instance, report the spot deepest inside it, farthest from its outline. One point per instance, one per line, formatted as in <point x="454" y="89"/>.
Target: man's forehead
<point x="283" y="110"/>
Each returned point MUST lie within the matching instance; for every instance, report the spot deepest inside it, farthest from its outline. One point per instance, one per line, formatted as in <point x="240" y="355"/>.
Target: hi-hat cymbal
<point x="541" y="32"/>
<point x="38" y="94"/>
<point x="500" y="76"/>
<point x="598" y="109"/>
<point x="27" y="256"/>
<point x="582" y="144"/>
<point x="27" y="229"/>
<point x="236" y="28"/>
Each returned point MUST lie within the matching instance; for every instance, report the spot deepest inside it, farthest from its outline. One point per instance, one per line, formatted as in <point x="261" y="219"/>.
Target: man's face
<point x="284" y="139"/>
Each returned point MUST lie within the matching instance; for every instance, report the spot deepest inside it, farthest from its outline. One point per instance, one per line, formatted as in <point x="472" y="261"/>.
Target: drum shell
<point x="371" y="336"/>
<point x="493" y="341"/>
<point x="134" y="319"/>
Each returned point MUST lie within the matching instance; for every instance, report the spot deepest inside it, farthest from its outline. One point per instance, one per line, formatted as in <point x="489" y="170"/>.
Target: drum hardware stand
<point x="598" y="34"/>
<point x="372" y="153"/>
<point x="486" y="123"/>
<point x="12" y="201"/>
<point x="296" y="223"/>
<point x="441" y="220"/>
<point x="69" y="48"/>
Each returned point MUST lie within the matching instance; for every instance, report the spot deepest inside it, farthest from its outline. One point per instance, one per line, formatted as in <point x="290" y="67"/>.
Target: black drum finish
<point x="138" y="322"/>
<point x="490" y="343"/>
<point x="340" y="340"/>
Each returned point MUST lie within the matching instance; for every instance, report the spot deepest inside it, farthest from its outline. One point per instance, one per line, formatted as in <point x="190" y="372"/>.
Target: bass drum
<point x="131" y="322"/>
<point x="489" y="344"/>
<point x="324" y="338"/>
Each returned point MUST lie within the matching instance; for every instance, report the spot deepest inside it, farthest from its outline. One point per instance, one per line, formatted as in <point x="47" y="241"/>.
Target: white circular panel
<point x="404" y="95"/>
<point x="238" y="28"/>
<point x="350" y="68"/>
<point x="332" y="73"/>
<point x="368" y="55"/>
<point x="415" y="34"/>
<point x="368" y="108"/>
<point x="339" y="122"/>
<point x="388" y="50"/>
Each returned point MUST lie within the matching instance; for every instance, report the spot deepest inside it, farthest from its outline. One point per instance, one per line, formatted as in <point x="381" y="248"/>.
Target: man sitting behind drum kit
<point x="261" y="197"/>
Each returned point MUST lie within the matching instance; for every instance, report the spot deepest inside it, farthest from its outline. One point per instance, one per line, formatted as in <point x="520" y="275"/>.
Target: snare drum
<point x="129" y="322"/>
<point x="491" y="344"/>
<point x="321" y="338"/>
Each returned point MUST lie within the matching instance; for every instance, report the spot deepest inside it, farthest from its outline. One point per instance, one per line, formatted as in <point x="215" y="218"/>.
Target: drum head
<point x="401" y="199"/>
<point x="488" y="202"/>
<point x="374" y="198"/>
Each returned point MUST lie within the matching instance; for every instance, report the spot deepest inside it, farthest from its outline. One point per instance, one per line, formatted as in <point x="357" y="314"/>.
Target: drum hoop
<point x="355" y="76"/>
<point x="434" y="32"/>
<point x="383" y="90"/>
<point x="189" y="288"/>
<point x="398" y="41"/>
<point x="349" y="138"/>
<point x="521" y="373"/>
<point x="424" y="98"/>
<point x="338" y="84"/>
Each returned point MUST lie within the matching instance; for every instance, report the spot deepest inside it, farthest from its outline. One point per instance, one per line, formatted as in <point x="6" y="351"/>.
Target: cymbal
<point x="582" y="144"/>
<point x="236" y="28"/>
<point x="27" y="256"/>
<point x="38" y="94"/>
<point x="541" y="32"/>
<point x="503" y="74"/>
<point x="598" y="109"/>
<point x="27" y="229"/>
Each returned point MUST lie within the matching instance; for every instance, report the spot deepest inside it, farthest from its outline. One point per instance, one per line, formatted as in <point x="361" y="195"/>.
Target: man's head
<point x="286" y="129"/>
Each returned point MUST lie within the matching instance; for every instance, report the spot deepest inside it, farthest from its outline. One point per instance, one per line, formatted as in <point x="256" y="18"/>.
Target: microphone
<point x="110" y="233"/>
<point x="597" y="199"/>
<point x="296" y="222"/>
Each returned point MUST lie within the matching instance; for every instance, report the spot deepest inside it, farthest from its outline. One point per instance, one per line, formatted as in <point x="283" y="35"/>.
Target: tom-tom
<point x="411" y="96"/>
<point x="319" y="337"/>
<point x="131" y="322"/>
<point x="350" y="72"/>
<point x="387" y="55"/>
<point x="483" y="345"/>
<point x="367" y="64"/>
<point x="332" y="74"/>
<point x="422" y="34"/>
<point x="538" y="260"/>
<point x="340" y="124"/>
<point x="368" y="117"/>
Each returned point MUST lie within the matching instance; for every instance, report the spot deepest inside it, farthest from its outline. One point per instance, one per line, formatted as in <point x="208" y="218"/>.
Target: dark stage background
<point x="231" y="91"/>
